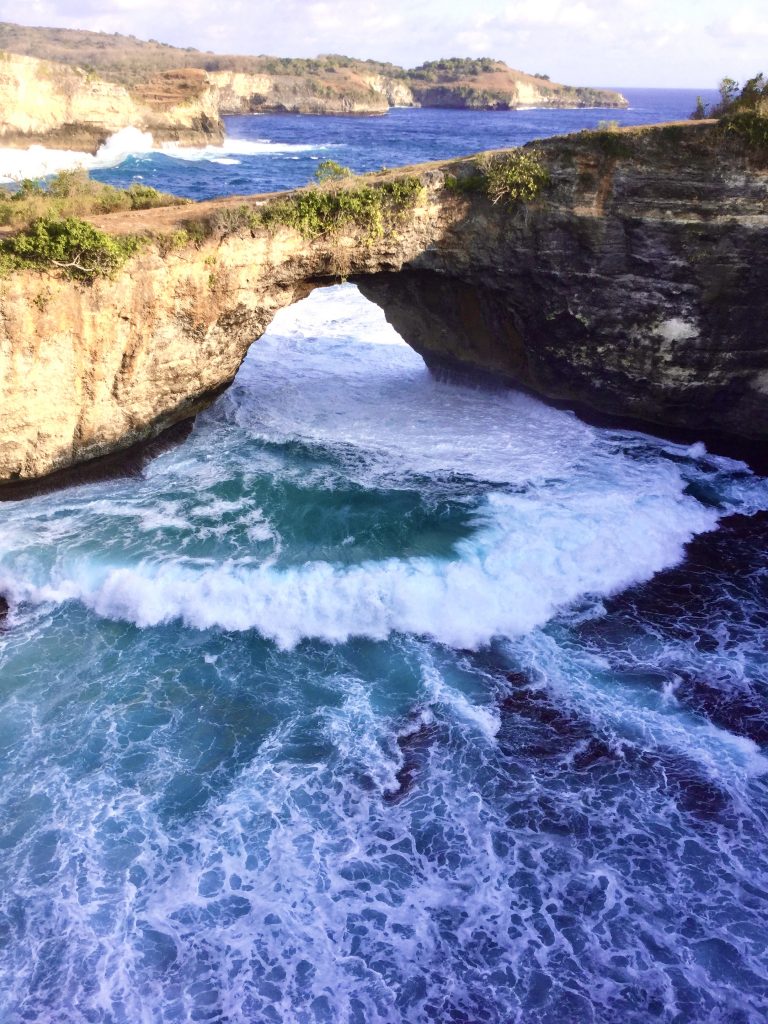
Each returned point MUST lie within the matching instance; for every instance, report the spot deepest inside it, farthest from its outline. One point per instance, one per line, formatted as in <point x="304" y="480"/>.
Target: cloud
<point x="550" y="13"/>
<point x="742" y="27"/>
<point x="591" y="42"/>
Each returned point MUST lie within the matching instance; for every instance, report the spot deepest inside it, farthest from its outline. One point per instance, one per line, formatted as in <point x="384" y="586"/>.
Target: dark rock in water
<point x="414" y="747"/>
<point x="533" y="726"/>
<point x="717" y="597"/>
<point x="596" y="753"/>
<point x="4" y="608"/>
<point x="739" y="709"/>
<point x="691" y="790"/>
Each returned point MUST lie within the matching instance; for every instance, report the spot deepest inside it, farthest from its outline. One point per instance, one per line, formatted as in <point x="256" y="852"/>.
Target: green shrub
<point x="516" y="176"/>
<point x="750" y="126"/>
<point x="611" y="143"/>
<point x="466" y="184"/>
<point x="729" y="94"/>
<point x="74" y="194"/>
<point x="453" y="68"/>
<point x="313" y="211"/>
<point x="744" y="113"/>
<point x="330" y="170"/>
<point x="144" y="197"/>
<point x="73" y="246"/>
<point x="230" y="219"/>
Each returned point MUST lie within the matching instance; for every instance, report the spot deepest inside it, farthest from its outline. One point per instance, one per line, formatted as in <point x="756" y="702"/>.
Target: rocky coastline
<point x="64" y="106"/>
<point x="630" y="283"/>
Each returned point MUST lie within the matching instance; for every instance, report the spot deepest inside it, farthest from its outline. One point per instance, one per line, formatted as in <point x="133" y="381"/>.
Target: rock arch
<point x="635" y="285"/>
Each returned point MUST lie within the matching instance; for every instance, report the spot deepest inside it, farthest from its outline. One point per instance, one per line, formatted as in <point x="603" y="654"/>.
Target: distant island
<point x="73" y="89"/>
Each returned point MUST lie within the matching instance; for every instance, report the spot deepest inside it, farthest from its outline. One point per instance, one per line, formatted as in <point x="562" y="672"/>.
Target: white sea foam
<point x="40" y="161"/>
<point x="581" y="517"/>
<point x="232" y="148"/>
<point x="530" y="556"/>
<point x="484" y="720"/>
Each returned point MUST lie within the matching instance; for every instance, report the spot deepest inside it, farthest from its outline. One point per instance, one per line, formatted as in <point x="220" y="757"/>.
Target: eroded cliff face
<point x="351" y="91"/>
<point x="64" y="107"/>
<point x="509" y="90"/>
<point x="345" y="92"/>
<point x="635" y="284"/>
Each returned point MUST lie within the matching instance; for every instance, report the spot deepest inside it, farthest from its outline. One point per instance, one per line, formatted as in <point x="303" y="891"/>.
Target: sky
<point x="684" y="43"/>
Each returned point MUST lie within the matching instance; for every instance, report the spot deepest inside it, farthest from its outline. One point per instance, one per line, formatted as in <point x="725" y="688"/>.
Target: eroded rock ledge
<point x="635" y="284"/>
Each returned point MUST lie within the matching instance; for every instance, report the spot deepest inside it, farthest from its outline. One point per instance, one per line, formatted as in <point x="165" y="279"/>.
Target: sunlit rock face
<point x="68" y="108"/>
<point x="634" y="285"/>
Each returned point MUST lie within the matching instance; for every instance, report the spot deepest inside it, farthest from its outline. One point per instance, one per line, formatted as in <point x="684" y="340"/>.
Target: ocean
<point x="382" y="698"/>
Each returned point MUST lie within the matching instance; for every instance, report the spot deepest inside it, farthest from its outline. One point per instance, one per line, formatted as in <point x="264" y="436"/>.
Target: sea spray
<point x="331" y="715"/>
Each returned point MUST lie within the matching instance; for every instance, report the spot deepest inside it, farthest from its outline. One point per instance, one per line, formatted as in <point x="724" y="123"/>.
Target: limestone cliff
<point x="634" y="284"/>
<point x="352" y="88"/>
<point x="347" y="91"/>
<point x="164" y="88"/>
<point x="491" y="85"/>
<point x="343" y="93"/>
<point x="64" y="107"/>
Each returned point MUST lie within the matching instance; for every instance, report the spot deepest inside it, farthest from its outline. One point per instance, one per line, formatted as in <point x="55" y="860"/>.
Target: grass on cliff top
<point x="517" y="176"/>
<point x="74" y="194"/>
<point x="340" y="200"/>
<point x="72" y="246"/>
<point x="50" y="234"/>
<point x="59" y="240"/>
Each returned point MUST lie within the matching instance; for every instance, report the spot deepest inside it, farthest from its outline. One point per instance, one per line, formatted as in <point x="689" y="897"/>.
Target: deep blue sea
<point x="266" y="153"/>
<point x="383" y="699"/>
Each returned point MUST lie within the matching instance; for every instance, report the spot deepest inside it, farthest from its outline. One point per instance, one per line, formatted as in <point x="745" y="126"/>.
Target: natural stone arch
<point x="634" y="285"/>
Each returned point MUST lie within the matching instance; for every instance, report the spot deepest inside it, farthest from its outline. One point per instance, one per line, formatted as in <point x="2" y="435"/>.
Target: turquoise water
<point x="386" y="699"/>
<point x="270" y="152"/>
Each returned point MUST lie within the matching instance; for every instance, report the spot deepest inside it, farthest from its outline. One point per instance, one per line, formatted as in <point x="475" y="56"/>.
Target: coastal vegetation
<point x="71" y="245"/>
<point x="75" y="194"/>
<point x="742" y="111"/>
<point x="745" y="112"/>
<point x="371" y="206"/>
<point x="453" y="69"/>
<point x="517" y="176"/>
<point x="50" y="232"/>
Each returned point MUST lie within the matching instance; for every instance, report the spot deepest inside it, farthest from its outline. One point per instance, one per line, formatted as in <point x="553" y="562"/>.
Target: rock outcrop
<point x="67" y="108"/>
<point x="341" y="93"/>
<point x="98" y="84"/>
<point x="354" y="89"/>
<point x="634" y="284"/>
<point x="492" y="85"/>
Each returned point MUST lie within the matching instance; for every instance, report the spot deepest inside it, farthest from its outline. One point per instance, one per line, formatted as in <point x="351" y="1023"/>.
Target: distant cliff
<point x="344" y="93"/>
<point x="160" y="82"/>
<point x="68" y="108"/>
<point x="337" y="85"/>
<point x="618" y="271"/>
<point x="485" y="84"/>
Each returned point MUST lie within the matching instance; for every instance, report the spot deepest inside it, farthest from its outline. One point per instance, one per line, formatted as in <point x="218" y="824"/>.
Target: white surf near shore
<point x="575" y="515"/>
<point x="40" y="161"/>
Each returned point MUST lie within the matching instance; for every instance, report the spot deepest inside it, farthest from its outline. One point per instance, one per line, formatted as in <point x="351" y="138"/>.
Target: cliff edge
<point x="618" y="271"/>
<point x="68" y="108"/>
<point x="110" y="81"/>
